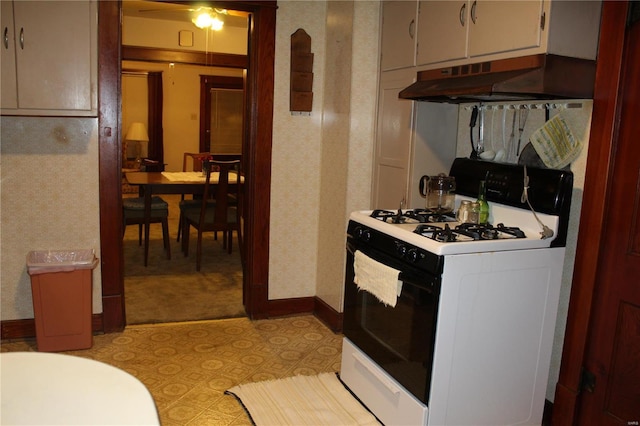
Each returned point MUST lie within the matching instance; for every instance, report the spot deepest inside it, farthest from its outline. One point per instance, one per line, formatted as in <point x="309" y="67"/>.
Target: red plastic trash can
<point x="62" y="288"/>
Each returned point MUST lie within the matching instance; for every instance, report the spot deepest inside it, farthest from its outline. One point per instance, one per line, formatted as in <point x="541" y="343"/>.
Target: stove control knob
<point x="412" y="255"/>
<point x="363" y="234"/>
<point x="401" y="249"/>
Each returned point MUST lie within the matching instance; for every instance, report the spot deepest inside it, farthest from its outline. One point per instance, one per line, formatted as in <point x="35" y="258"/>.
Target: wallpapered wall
<point x="49" y="199"/>
<point x="322" y="161"/>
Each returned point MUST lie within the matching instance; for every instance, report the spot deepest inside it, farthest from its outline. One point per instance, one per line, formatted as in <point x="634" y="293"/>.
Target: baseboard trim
<point x="26" y="328"/>
<point x="293" y="306"/>
<point x="307" y="305"/>
<point x="328" y="315"/>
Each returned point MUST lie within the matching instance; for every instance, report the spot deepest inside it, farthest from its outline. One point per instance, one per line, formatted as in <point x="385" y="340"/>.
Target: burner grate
<point x="411" y="216"/>
<point x="468" y="232"/>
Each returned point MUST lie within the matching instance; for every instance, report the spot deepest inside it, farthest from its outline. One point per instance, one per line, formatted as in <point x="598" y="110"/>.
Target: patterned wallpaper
<point x="49" y="199"/>
<point x="321" y="165"/>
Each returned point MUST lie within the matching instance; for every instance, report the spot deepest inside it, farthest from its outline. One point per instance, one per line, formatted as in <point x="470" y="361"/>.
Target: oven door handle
<point x="383" y="380"/>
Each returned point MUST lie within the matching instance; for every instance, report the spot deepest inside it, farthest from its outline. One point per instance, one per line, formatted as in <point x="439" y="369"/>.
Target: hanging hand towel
<point x="376" y="278"/>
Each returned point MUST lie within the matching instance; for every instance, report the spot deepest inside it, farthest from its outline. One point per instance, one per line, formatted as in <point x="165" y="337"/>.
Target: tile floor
<point x="188" y="366"/>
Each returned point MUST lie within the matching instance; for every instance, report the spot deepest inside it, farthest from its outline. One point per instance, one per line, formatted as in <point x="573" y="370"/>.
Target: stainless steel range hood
<point x="527" y="77"/>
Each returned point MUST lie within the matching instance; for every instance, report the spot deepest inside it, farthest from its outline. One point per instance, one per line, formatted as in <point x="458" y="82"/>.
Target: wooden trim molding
<point x="328" y="315"/>
<point x="307" y="305"/>
<point x="26" y="328"/>
<point x="292" y="306"/>
<point x="110" y="166"/>
<point x="260" y="86"/>
<point x="148" y="54"/>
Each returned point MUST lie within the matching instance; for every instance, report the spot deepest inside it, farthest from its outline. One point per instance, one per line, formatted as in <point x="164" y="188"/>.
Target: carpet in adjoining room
<point x="172" y="290"/>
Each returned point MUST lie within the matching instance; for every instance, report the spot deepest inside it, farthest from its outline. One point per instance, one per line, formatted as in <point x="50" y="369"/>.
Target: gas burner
<point x="429" y="216"/>
<point x="410" y="216"/>
<point x="511" y="230"/>
<point x="468" y="232"/>
<point x="385" y="216"/>
<point x="437" y="233"/>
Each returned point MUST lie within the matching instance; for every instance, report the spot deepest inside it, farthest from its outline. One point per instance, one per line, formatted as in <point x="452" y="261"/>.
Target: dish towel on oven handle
<point x="377" y="278"/>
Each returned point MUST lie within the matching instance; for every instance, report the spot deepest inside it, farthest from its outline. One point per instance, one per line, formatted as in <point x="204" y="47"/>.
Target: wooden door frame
<point x="259" y="126"/>
<point x="606" y="110"/>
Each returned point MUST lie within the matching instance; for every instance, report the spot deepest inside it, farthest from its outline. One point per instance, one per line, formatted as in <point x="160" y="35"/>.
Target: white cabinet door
<point x="393" y="141"/>
<point x="442" y="31"/>
<point x="398" y="46"/>
<point x="55" y="56"/>
<point x="8" y="57"/>
<point x="503" y="26"/>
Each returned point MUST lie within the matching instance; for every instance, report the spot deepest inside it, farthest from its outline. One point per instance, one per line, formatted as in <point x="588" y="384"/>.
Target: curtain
<point x="156" y="138"/>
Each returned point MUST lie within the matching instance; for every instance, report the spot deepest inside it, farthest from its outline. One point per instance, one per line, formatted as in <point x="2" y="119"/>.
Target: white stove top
<point x="509" y="216"/>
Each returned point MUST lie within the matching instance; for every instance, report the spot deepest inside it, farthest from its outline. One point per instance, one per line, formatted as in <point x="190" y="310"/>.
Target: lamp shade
<point x="137" y="132"/>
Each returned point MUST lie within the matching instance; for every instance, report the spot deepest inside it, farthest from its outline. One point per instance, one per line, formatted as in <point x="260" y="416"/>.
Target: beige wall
<point x="164" y="33"/>
<point x="49" y="199"/>
<point x="181" y="106"/>
<point x="180" y="82"/>
<point x="321" y="161"/>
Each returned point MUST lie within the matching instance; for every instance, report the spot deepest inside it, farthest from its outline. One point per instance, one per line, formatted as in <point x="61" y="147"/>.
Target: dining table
<point x="40" y="388"/>
<point x="154" y="183"/>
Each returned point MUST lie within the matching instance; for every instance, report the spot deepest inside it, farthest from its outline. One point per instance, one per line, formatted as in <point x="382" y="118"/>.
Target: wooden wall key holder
<point x="301" y="97"/>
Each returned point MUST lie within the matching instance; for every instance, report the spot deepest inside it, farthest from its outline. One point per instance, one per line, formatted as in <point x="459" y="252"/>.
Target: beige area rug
<point x="302" y="400"/>
<point x="172" y="290"/>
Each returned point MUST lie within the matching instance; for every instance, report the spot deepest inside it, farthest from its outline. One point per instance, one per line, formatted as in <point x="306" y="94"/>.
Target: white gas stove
<point x="425" y="234"/>
<point x="468" y="339"/>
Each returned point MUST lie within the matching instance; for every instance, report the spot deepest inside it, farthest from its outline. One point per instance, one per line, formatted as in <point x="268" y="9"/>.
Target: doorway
<point x="258" y="128"/>
<point x="171" y="290"/>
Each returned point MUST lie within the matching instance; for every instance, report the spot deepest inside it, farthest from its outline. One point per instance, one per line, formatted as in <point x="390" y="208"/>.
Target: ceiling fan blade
<point x="167" y="10"/>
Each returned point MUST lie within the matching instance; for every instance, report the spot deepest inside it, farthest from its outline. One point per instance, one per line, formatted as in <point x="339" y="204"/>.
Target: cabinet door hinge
<point x="542" y="20"/>
<point x="587" y="381"/>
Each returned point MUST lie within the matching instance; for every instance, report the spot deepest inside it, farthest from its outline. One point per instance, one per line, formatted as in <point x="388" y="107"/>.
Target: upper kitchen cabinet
<point x="443" y="31"/>
<point x="459" y="32"/>
<point x="398" y="46"/>
<point x="49" y="58"/>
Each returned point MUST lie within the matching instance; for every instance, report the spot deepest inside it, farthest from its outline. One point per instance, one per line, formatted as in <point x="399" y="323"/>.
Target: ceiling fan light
<point x="203" y="20"/>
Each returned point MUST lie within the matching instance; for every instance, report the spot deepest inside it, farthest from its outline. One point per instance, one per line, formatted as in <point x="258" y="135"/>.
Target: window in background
<point x="222" y="104"/>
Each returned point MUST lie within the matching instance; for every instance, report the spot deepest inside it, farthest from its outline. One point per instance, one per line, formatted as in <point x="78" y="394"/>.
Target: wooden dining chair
<point x="220" y="215"/>
<point x="133" y="214"/>
<point x="191" y="162"/>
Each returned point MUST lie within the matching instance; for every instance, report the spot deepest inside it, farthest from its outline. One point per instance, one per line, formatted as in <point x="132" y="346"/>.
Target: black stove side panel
<point x="549" y="190"/>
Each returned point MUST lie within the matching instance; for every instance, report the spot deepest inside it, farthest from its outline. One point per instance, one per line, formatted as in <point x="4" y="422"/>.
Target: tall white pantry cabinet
<point x="49" y="58"/>
<point x="411" y="138"/>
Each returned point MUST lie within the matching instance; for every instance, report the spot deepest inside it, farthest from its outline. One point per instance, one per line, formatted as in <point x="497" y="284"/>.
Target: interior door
<point x="612" y="394"/>
<point x="221" y="114"/>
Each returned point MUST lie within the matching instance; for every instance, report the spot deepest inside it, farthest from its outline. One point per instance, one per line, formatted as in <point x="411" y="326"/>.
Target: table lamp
<point x="138" y="132"/>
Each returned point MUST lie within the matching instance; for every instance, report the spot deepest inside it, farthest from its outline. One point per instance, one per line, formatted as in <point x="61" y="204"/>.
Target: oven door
<point x="399" y="339"/>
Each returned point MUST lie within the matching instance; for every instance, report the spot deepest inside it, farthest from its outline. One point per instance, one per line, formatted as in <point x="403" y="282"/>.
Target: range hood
<point x="524" y="78"/>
